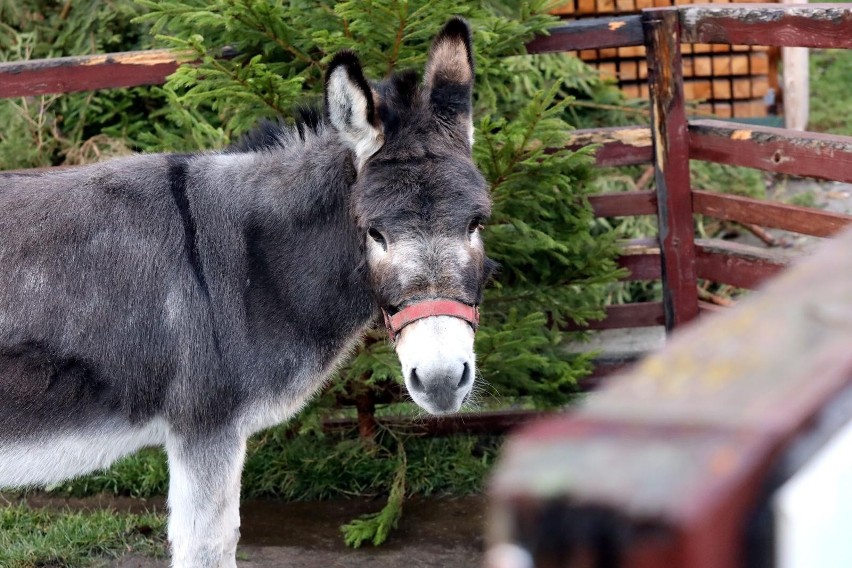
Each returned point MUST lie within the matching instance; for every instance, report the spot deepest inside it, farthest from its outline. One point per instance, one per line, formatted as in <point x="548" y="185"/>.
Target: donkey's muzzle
<point x="444" y="386"/>
<point x="438" y="363"/>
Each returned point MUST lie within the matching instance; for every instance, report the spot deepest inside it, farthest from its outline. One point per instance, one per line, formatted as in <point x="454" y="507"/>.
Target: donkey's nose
<point x="443" y="384"/>
<point x="466" y="379"/>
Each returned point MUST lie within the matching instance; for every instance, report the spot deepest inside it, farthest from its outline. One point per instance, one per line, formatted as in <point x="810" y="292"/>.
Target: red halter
<point x="429" y="308"/>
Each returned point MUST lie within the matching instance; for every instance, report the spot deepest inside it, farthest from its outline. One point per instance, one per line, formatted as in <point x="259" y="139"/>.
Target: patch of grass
<point x="831" y="96"/>
<point x="144" y="474"/>
<point x="805" y="199"/>
<point x="735" y="180"/>
<point x="312" y="466"/>
<point x="41" y="537"/>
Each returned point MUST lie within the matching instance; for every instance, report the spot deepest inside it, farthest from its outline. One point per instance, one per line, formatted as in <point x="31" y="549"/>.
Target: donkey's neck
<point x="302" y="290"/>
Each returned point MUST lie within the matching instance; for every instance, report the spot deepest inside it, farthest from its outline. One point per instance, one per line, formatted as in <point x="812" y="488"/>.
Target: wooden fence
<point x="676" y="257"/>
<point x="671" y="141"/>
<point x="689" y="459"/>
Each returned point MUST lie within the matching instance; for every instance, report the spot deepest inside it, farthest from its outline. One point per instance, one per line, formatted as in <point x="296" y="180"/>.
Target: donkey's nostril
<point x="465" y="378"/>
<point x="416" y="383"/>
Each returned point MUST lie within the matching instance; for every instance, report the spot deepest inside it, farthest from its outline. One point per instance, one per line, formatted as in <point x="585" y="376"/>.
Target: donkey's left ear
<point x="449" y="74"/>
<point x="351" y="107"/>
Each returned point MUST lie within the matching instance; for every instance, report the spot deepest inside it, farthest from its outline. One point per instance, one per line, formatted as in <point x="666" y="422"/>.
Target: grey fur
<point x="191" y="300"/>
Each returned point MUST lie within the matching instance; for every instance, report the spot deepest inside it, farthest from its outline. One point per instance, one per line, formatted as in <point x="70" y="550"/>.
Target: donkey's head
<point x="419" y="202"/>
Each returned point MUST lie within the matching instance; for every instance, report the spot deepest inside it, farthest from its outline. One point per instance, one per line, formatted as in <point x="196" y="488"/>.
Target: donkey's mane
<point x="275" y="134"/>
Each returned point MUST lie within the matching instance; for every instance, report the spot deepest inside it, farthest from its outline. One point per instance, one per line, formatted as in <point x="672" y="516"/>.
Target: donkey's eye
<point x="378" y="237"/>
<point x="475" y="225"/>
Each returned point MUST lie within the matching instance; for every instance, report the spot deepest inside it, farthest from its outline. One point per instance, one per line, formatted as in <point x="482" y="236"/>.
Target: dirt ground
<point x="433" y="533"/>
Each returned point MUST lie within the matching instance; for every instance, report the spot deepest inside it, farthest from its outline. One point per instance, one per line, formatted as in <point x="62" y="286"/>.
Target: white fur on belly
<point x="64" y="455"/>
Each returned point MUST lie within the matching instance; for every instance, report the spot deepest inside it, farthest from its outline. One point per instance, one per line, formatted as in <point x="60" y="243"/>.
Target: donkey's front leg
<point x="204" y="499"/>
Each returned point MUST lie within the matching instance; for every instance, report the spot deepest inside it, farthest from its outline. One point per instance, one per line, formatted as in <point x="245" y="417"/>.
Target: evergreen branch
<point x="237" y="79"/>
<point x="376" y="527"/>
<point x="516" y="157"/>
<point x="269" y="34"/>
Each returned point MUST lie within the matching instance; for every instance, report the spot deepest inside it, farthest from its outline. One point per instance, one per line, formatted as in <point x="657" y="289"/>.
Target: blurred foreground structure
<point x="731" y="448"/>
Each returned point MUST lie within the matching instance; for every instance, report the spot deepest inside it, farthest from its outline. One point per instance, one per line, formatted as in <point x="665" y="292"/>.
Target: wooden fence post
<point x="671" y="163"/>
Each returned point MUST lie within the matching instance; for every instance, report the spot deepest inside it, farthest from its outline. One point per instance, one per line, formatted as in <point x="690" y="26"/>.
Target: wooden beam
<point x="796" y="80"/>
<point x="641" y="266"/>
<point x="643" y="314"/>
<point x="624" y="204"/>
<point x="810" y="154"/>
<point x="736" y="264"/>
<point x="590" y="33"/>
<point x="671" y="151"/>
<point x="87" y="72"/>
<point x="768" y="214"/>
<point x="642" y="258"/>
<point x="788" y="25"/>
<point x="619" y="146"/>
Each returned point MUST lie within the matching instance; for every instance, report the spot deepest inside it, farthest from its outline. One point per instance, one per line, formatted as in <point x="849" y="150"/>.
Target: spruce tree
<point x="540" y="232"/>
<point x="553" y="266"/>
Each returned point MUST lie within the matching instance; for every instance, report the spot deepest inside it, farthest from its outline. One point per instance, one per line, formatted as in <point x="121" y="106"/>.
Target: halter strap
<point x="429" y="308"/>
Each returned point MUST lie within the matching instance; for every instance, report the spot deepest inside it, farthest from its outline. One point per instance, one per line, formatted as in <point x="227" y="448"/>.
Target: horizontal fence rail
<point x="87" y="72"/>
<point x="810" y="154"/>
<point x="768" y="214"/>
<point x="736" y="264"/>
<point x="624" y="204"/>
<point x="781" y="25"/>
<point x="623" y="316"/>
<point x="617" y="146"/>
<point x="591" y="33"/>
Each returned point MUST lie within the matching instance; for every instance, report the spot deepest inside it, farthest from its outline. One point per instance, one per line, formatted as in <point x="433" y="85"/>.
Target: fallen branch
<point x="765" y="236"/>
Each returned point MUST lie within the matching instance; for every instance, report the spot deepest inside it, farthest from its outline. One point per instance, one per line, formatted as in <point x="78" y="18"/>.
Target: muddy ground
<point x="433" y="533"/>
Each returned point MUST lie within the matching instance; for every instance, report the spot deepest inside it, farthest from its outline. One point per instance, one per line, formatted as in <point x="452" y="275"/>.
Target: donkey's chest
<point x="277" y="403"/>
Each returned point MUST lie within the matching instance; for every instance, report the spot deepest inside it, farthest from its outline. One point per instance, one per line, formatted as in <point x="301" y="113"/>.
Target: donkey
<point x="191" y="300"/>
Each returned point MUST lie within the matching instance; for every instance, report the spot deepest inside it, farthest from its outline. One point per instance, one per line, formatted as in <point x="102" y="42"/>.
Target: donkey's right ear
<point x="351" y="107"/>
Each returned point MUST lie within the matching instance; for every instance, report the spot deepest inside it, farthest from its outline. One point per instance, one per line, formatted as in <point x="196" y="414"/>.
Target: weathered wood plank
<point x="690" y="439"/>
<point x="790" y="25"/>
<point x="590" y="33"/>
<point x="619" y="146"/>
<point x="769" y="214"/>
<point x="624" y="204"/>
<point x="642" y="314"/>
<point x="671" y="151"/>
<point x="642" y="258"/>
<point x="811" y="154"/>
<point x="795" y="77"/>
<point x="641" y="266"/>
<point x="736" y="264"/>
<point x="87" y="72"/>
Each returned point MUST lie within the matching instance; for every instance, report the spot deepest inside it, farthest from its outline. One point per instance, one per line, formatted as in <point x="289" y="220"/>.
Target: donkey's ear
<point x="351" y="107"/>
<point x="449" y="73"/>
